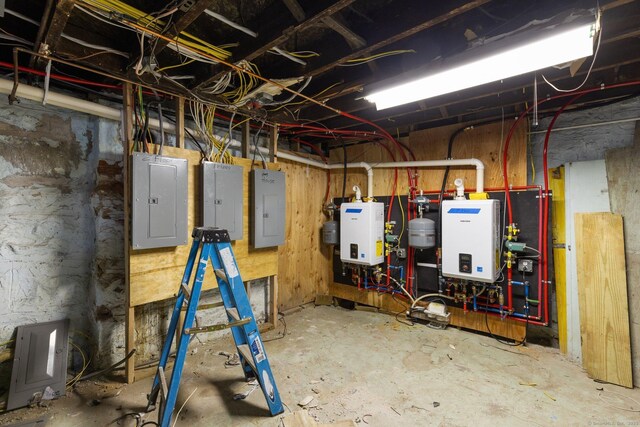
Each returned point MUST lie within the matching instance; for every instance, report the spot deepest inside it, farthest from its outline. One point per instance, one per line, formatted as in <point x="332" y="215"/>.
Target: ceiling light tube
<point x="559" y="48"/>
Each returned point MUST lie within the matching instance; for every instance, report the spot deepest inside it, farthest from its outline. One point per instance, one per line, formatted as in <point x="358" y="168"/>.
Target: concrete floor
<point x="368" y="368"/>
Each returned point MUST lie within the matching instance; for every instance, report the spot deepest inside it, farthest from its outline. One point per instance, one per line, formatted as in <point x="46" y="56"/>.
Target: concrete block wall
<point x="61" y="234"/>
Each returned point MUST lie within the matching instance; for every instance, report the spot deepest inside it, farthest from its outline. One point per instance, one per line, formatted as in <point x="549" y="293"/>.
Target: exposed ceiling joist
<point x="353" y="40"/>
<point x="58" y="23"/>
<point x="284" y="36"/>
<point x="183" y="22"/>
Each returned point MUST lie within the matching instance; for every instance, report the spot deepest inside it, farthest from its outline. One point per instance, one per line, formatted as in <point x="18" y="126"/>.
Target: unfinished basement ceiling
<point x="342" y="46"/>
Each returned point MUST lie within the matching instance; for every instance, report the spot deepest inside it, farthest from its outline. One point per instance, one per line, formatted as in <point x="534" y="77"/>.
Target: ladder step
<point x="207" y="306"/>
<point x="218" y="327"/>
<point x="245" y="351"/>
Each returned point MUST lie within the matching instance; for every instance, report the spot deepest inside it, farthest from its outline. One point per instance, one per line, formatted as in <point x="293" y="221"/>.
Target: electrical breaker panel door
<point x="268" y="208"/>
<point x="222" y="197"/>
<point x="158" y="201"/>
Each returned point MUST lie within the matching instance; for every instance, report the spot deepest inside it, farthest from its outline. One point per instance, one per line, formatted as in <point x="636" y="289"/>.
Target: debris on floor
<point x="303" y="419"/>
<point x="232" y="359"/>
<point x="306" y="401"/>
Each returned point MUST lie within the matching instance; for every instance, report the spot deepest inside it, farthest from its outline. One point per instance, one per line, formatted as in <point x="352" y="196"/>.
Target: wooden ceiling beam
<point x="183" y="22"/>
<point x="283" y="37"/>
<point x="333" y="22"/>
<point x="56" y="27"/>
<point x="353" y="40"/>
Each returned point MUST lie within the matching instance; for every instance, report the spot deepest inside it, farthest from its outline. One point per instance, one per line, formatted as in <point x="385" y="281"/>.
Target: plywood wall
<point x="303" y="261"/>
<point x="155" y="274"/>
<point x="484" y="143"/>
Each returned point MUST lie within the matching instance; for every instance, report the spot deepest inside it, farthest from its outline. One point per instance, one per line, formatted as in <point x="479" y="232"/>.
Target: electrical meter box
<point x="158" y="201"/>
<point x="362" y="233"/>
<point x="269" y="209"/>
<point x="222" y="186"/>
<point x="471" y="239"/>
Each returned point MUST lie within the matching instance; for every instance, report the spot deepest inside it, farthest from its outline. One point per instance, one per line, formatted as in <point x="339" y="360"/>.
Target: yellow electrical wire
<point x="169" y="67"/>
<point x="303" y="54"/>
<point x="157" y="25"/>
<point x="85" y="365"/>
<point x="402" y="214"/>
<point x="303" y="101"/>
<point x="380" y="55"/>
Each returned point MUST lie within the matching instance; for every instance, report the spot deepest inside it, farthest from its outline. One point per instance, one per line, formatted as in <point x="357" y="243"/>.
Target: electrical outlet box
<point x="525" y="265"/>
<point x="268" y="201"/>
<point x="362" y="233"/>
<point x="222" y="197"/>
<point x="471" y="239"/>
<point x="158" y="201"/>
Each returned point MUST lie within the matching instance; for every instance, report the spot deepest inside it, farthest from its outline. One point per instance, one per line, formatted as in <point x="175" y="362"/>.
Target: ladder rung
<point x="185" y="290"/>
<point x="245" y="351"/>
<point x="207" y="306"/>
<point x="221" y="274"/>
<point x="218" y="327"/>
<point x="233" y="313"/>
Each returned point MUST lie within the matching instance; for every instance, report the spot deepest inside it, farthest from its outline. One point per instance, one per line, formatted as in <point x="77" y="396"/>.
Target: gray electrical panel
<point x="159" y="201"/>
<point x="222" y="196"/>
<point x="40" y="361"/>
<point x="269" y="208"/>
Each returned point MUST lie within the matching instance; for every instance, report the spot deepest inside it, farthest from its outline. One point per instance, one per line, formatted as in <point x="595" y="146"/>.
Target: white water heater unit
<point x="362" y="233"/>
<point x="471" y="239"/>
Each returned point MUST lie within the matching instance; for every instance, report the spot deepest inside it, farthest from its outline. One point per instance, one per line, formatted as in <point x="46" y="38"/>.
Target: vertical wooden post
<point x="273" y="304"/>
<point x="180" y="122"/>
<point x="273" y="146"/>
<point x="273" y="280"/>
<point x="246" y="139"/>
<point x="127" y="118"/>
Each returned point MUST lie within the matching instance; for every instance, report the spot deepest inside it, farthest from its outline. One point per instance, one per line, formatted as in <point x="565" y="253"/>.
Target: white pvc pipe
<point x="367" y="167"/>
<point x="74" y="104"/>
<point x="440" y="163"/>
<point x="310" y="162"/>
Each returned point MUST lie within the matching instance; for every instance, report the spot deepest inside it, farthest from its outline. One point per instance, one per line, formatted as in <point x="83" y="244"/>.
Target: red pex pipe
<point x="540" y="241"/>
<point x="543" y="254"/>
<point x="545" y="222"/>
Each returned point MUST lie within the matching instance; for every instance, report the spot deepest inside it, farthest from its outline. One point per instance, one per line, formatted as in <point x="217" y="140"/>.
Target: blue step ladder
<point x="212" y="244"/>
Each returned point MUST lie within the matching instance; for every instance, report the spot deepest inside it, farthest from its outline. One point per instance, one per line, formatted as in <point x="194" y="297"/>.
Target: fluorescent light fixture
<point x="542" y="53"/>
